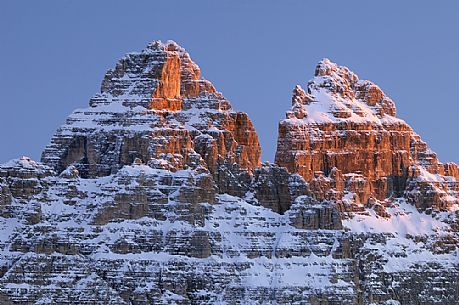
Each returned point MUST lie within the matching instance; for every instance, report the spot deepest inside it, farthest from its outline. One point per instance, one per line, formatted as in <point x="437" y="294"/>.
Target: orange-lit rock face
<point x="179" y="78"/>
<point x="154" y="106"/>
<point x="346" y="124"/>
<point x="169" y="83"/>
<point x="382" y="156"/>
<point x="167" y="93"/>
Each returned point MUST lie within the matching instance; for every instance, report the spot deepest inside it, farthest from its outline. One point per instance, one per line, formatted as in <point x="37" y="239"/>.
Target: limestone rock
<point x="276" y="189"/>
<point x="155" y="107"/>
<point x="351" y="126"/>
<point x="23" y="178"/>
<point x="155" y="195"/>
<point x="309" y="214"/>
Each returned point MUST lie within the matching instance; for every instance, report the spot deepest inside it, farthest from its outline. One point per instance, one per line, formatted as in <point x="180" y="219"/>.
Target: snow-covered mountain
<point x="155" y="194"/>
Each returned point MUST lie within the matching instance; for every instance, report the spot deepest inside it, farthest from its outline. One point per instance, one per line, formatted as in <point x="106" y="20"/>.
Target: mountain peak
<point x="342" y="122"/>
<point x="158" y="77"/>
<point x="336" y="94"/>
<point x="325" y="67"/>
<point x="155" y="194"/>
<point x="154" y="106"/>
<point x="169" y="45"/>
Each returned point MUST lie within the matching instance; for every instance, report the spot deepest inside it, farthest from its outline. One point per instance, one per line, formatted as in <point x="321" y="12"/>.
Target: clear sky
<point x="54" y="54"/>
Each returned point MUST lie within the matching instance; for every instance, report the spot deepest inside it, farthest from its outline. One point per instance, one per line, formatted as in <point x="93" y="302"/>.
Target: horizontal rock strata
<point x="155" y="194"/>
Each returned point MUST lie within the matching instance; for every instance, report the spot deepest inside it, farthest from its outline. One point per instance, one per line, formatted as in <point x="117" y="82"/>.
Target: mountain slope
<point x="155" y="194"/>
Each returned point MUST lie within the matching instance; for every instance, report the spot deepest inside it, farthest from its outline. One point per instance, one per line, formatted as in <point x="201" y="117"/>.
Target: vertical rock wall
<point x="154" y="106"/>
<point x="343" y="123"/>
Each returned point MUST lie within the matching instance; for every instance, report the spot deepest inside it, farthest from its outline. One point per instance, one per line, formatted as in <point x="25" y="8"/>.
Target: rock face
<point x="343" y="132"/>
<point x="153" y="106"/>
<point x="275" y="188"/>
<point x="155" y="194"/>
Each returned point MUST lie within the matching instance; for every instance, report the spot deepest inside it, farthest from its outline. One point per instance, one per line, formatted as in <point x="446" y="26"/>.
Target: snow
<point x="427" y="176"/>
<point x="404" y="219"/>
<point x="260" y="246"/>
<point x="322" y="102"/>
<point x="321" y="111"/>
<point x="24" y="162"/>
<point x="238" y="227"/>
<point x="401" y="250"/>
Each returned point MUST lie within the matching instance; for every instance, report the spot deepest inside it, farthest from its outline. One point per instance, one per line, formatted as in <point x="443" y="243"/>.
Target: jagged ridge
<point x="155" y="194"/>
<point x="154" y="106"/>
<point x="345" y="128"/>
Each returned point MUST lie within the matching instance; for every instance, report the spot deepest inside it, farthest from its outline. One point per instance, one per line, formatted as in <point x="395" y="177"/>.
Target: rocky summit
<point x="155" y="194"/>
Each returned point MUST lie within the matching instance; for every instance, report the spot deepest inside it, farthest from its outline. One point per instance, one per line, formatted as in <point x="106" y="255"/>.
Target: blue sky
<point x="54" y="54"/>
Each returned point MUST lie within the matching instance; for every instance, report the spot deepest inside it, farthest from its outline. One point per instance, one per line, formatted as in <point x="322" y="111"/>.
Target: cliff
<point x="155" y="194"/>
<point x="345" y="130"/>
<point x="155" y="107"/>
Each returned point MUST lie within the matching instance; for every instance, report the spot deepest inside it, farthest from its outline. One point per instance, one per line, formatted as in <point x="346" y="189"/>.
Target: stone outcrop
<point x="23" y="178"/>
<point x="275" y="188"/>
<point x="341" y="123"/>
<point x="309" y="214"/>
<point x="134" y="237"/>
<point x="155" y="195"/>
